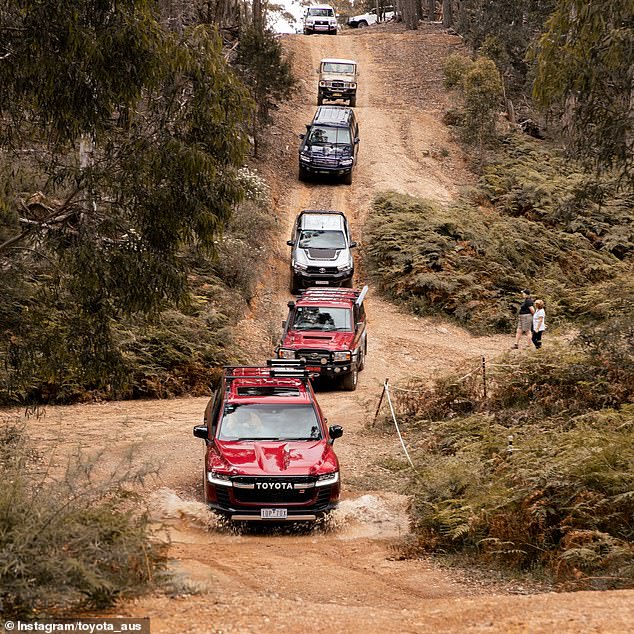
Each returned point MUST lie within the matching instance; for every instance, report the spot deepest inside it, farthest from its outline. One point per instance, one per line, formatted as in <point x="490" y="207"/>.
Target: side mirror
<point x="291" y="304"/>
<point x="301" y="136"/>
<point x="353" y="244"/>
<point x="335" y="431"/>
<point x="201" y="431"/>
<point x="290" y="243"/>
<point x="356" y="140"/>
<point x="284" y="325"/>
<point x="358" y="325"/>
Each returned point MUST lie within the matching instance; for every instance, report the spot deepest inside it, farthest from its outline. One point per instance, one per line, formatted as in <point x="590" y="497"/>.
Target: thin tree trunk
<point x="447" y="13"/>
<point x="257" y="15"/>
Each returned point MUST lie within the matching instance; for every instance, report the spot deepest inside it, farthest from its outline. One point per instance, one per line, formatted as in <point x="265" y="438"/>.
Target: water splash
<point x="370" y="516"/>
<point x="169" y="507"/>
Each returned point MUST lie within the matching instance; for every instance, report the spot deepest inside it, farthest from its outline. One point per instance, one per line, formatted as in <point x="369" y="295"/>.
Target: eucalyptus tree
<point x="585" y="75"/>
<point x="121" y="142"/>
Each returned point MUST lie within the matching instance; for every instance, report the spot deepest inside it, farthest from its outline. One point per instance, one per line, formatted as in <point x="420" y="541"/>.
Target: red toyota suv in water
<point x="327" y="328"/>
<point x="268" y="452"/>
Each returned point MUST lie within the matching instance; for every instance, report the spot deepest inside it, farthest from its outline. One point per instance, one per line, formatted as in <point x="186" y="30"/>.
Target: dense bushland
<point x="124" y="205"/>
<point x="535" y="220"/>
<point x="177" y="351"/>
<point x="71" y="541"/>
<point x="558" y="500"/>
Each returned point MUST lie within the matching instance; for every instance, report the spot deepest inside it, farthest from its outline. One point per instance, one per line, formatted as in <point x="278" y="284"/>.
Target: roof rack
<point x="334" y="294"/>
<point x="276" y="368"/>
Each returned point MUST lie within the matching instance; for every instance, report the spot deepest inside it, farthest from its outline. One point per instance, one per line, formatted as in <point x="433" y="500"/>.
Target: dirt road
<point x="347" y="578"/>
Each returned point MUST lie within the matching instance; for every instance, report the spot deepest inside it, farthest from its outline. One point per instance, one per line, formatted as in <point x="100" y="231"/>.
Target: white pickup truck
<point x="371" y="17"/>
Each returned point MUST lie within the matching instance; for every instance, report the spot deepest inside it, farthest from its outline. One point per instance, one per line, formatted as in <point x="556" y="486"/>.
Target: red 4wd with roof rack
<point x="327" y="328"/>
<point x="268" y="453"/>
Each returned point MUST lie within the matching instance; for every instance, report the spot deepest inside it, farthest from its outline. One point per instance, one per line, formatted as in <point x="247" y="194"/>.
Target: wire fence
<point x="411" y="400"/>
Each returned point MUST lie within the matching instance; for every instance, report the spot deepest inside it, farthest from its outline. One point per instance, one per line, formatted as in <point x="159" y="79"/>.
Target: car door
<point x="354" y="132"/>
<point x="359" y="331"/>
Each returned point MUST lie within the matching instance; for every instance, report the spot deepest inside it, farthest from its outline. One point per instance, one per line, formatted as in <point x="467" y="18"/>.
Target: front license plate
<point x="337" y="94"/>
<point x="313" y="368"/>
<point x="322" y="282"/>
<point x="273" y="514"/>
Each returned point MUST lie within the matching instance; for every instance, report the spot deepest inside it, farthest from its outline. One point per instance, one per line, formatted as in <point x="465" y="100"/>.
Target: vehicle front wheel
<point x="350" y="380"/>
<point x="353" y="101"/>
<point x="361" y="363"/>
<point x="347" y="178"/>
<point x="303" y="174"/>
<point x="362" y="24"/>
<point x="320" y="99"/>
<point x="293" y="287"/>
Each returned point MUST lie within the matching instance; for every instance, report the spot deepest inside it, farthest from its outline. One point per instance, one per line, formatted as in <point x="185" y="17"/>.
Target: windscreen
<point x="324" y="13"/>
<point x="317" y="318"/>
<point x="263" y="421"/>
<point x="322" y="135"/>
<point x="335" y="67"/>
<point x="321" y="239"/>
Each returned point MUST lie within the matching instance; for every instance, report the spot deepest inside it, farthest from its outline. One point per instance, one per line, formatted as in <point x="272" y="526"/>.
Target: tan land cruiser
<point x="337" y="80"/>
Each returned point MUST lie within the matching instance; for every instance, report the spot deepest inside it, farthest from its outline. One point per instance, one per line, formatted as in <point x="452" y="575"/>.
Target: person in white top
<point x="539" y="323"/>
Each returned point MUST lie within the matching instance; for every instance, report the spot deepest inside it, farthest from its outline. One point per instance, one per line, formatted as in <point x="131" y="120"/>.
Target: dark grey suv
<point x="330" y="145"/>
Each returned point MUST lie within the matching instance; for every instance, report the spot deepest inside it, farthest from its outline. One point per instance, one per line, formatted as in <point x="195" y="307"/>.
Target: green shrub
<point x="559" y="499"/>
<point x="78" y="541"/>
<point x="455" y="68"/>
<point x="470" y="264"/>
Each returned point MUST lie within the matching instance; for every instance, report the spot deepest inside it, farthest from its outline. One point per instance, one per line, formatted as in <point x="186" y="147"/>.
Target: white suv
<point x="371" y="17"/>
<point x="320" y="18"/>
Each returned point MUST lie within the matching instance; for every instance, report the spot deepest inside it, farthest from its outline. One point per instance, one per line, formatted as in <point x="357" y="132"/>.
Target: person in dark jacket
<point x="525" y="318"/>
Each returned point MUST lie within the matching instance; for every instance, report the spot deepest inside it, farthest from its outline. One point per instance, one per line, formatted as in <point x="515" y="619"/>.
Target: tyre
<point x="303" y="174"/>
<point x="362" y="24"/>
<point x="347" y="178"/>
<point x="353" y="101"/>
<point x="347" y="283"/>
<point x="361" y="362"/>
<point x="320" y="99"/>
<point x="349" y="381"/>
<point x="294" y="285"/>
<point x="205" y="487"/>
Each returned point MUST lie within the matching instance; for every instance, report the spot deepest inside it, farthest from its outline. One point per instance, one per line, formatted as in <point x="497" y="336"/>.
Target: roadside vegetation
<point x="538" y="476"/>
<point x="555" y="219"/>
<point x="124" y="201"/>
<point x="532" y="222"/>
<point x="73" y="540"/>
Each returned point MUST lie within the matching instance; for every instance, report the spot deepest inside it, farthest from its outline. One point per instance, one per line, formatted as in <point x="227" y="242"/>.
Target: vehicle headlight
<point x="322" y="83"/>
<point x="219" y="479"/>
<point x="352" y="85"/>
<point x="304" y="157"/>
<point x="284" y="353"/>
<point x="347" y="161"/>
<point x="327" y="479"/>
<point x="298" y="266"/>
<point x="342" y="356"/>
<point x="345" y="267"/>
